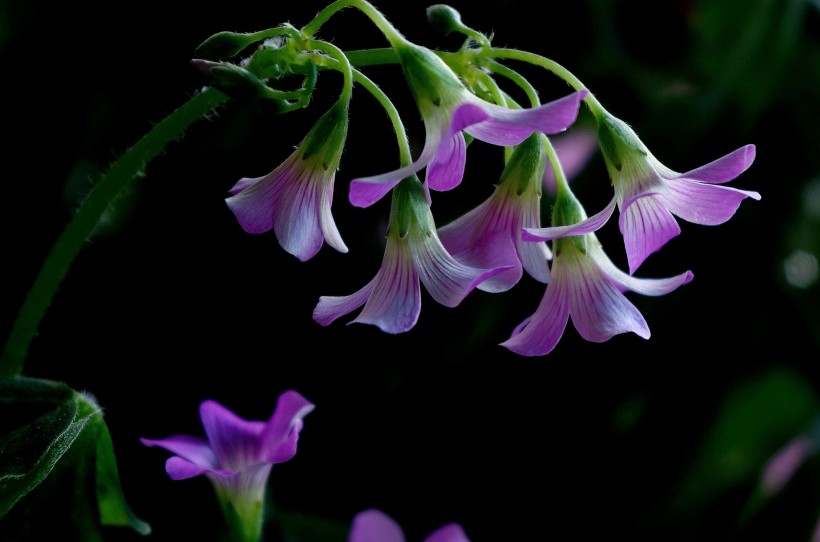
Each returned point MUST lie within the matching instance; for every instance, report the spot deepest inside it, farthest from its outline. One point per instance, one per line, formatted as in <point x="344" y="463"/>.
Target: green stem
<point x="398" y="127"/>
<point x="372" y="57"/>
<point x="518" y="79"/>
<point x="514" y="54"/>
<point x="389" y="31"/>
<point x="405" y="156"/>
<point x="552" y="156"/>
<point x="82" y="224"/>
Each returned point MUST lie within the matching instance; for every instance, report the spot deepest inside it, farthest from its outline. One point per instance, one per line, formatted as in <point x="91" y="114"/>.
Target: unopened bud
<point x="223" y="45"/>
<point x="444" y="18"/>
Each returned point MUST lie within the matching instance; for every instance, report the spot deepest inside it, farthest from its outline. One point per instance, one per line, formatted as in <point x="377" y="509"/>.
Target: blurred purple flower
<point x="295" y="198"/>
<point x="585" y="284"/>
<point x="650" y="195"/>
<point x="782" y="466"/>
<point x="413" y="254"/>
<point x="490" y="234"/>
<point x="574" y="148"/>
<point x="447" y="108"/>
<point x="376" y="526"/>
<point x="237" y="455"/>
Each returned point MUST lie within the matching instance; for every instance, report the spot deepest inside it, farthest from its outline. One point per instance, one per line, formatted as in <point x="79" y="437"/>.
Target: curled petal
<point x="446" y="169"/>
<point x="724" y="169"/>
<point x="538" y="335"/>
<point x="589" y="225"/>
<point x="703" y="203"/>
<point x="278" y="440"/>
<point x="330" y="308"/>
<point x="181" y="469"/>
<point x="509" y="127"/>
<point x="254" y="202"/>
<point x="365" y="191"/>
<point x="193" y="449"/>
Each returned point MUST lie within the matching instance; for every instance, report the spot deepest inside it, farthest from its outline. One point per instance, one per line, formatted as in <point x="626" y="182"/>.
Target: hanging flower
<point x="376" y="526"/>
<point x="237" y="457"/>
<point x="490" y="234"/>
<point x="447" y="108"/>
<point x="413" y="254"/>
<point x="585" y="285"/>
<point x="650" y="195"/>
<point x="295" y="198"/>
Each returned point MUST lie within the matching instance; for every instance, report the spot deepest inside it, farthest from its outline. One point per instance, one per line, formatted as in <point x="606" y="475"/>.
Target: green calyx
<point x="410" y="211"/>
<point x="524" y="170"/>
<point x="325" y="141"/>
<point x="619" y="143"/>
<point x="566" y="211"/>
<point x="431" y="80"/>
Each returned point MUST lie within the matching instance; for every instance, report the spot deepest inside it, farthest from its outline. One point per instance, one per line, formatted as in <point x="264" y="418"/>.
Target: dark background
<point x="171" y="302"/>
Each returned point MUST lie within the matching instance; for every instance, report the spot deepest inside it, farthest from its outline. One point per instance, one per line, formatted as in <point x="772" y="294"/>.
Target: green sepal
<point x="618" y="141"/>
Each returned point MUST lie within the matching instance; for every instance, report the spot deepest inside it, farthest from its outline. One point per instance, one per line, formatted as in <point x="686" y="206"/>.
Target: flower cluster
<point x="460" y="99"/>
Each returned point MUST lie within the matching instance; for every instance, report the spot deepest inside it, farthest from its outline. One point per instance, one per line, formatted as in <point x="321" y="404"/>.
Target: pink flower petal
<point x="375" y="526"/>
<point x="233" y="439"/>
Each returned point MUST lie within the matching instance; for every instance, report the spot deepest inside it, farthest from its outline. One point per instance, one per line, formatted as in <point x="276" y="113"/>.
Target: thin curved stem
<point x="550" y="65"/>
<point x="82" y="224"/>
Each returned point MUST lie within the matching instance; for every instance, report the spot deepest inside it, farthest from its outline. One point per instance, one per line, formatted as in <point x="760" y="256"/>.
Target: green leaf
<point x="29" y="453"/>
<point x="113" y="508"/>
<point x="755" y="420"/>
<point x="51" y="433"/>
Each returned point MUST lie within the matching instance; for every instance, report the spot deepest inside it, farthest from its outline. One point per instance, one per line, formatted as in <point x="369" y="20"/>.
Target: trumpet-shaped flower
<point x="448" y="108"/>
<point x="375" y="526"/>
<point x="490" y="234"/>
<point x="585" y="285"/>
<point x="237" y="456"/>
<point x="650" y="195"/>
<point x="413" y="254"/>
<point x="295" y="198"/>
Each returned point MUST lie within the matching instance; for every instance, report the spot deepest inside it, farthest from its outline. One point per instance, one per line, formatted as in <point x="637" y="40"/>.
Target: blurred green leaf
<point x="755" y="420"/>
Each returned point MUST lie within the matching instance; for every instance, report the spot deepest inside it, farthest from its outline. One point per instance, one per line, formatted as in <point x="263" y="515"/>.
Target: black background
<point x="173" y="303"/>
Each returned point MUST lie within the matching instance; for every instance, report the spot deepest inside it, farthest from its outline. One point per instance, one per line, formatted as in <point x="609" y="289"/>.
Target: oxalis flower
<point x="650" y="195"/>
<point x="237" y="457"/>
<point x="447" y="108"/>
<point x="585" y="285"/>
<point x="295" y="198"/>
<point x="375" y="526"/>
<point x="413" y="254"/>
<point x="490" y="234"/>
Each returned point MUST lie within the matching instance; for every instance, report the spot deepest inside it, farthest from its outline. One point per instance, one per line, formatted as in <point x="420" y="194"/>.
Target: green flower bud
<point x="444" y="18"/>
<point x="223" y="45"/>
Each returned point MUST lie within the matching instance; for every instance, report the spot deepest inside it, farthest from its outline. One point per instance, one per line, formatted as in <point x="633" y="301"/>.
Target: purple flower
<point x="295" y="198"/>
<point x="650" y="195"/>
<point x="447" y="108"/>
<point x="376" y="526"/>
<point x="237" y="455"/>
<point x="585" y="285"/>
<point x="413" y="254"/>
<point x="490" y="234"/>
<point x="782" y="466"/>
